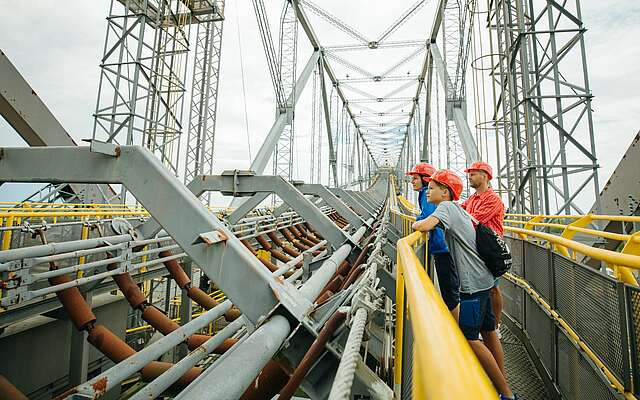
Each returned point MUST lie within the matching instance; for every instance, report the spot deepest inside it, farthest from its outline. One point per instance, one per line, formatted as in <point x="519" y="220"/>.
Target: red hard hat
<point x="481" y="166"/>
<point x="423" y="169"/>
<point x="450" y="179"/>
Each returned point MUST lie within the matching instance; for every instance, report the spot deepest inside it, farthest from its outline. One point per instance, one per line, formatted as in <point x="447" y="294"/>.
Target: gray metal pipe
<point x="229" y="379"/>
<point x="163" y="382"/>
<point x="312" y="288"/>
<point x="97" y="277"/>
<point x="113" y="376"/>
<point x="64" y="247"/>
<point x="292" y="263"/>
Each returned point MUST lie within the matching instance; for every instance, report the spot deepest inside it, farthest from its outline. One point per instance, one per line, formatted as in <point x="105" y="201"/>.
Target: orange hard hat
<point x="450" y="179"/>
<point x="423" y="169"/>
<point x="481" y="166"/>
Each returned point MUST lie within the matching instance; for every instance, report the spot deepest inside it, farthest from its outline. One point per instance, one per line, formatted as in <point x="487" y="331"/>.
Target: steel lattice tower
<point x="287" y="57"/>
<point x="204" y="96"/>
<point x="544" y="112"/>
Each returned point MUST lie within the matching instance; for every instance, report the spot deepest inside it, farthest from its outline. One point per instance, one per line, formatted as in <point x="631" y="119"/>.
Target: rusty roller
<point x="195" y="341"/>
<point x="271" y="266"/>
<point x="323" y="298"/>
<point x="156" y="368"/>
<point x="267" y="384"/>
<point x="312" y="355"/>
<point x="194" y="293"/>
<point x="73" y="302"/>
<point x="303" y="240"/>
<point x="264" y="242"/>
<point x="343" y="268"/>
<point x="278" y="242"/>
<point x="158" y="319"/>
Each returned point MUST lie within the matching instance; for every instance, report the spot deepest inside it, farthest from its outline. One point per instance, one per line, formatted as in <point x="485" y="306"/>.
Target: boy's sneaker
<point x="515" y="397"/>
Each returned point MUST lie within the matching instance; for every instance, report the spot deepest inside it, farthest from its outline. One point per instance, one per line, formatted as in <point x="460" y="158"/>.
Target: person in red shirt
<point x="486" y="206"/>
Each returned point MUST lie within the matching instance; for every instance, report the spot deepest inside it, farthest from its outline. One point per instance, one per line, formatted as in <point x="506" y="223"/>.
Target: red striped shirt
<point x="487" y="208"/>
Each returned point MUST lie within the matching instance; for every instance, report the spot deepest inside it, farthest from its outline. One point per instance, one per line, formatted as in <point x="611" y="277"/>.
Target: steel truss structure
<point x="142" y="78"/>
<point x="543" y="106"/>
<point x="204" y="94"/>
<point x="306" y="280"/>
<point x="283" y="157"/>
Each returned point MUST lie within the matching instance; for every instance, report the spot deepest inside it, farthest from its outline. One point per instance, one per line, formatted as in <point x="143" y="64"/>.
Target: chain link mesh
<point x="513" y="300"/>
<point x="407" y="359"/>
<point x="540" y="329"/>
<point x="577" y="378"/>
<point x="633" y="310"/>
<point x="536" y="269"/>
<point x="589" y="302"/>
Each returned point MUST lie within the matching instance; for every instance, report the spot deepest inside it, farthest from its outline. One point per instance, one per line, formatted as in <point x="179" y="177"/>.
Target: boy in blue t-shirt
<point x="445" y="267"/>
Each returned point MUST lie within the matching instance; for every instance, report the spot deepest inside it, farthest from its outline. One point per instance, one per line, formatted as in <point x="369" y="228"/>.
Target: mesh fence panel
<point x="577" y="379"/>
<point x="537" y="269"/>
<point x="513" y="300"/>
<point x="589" y="302"/>
<point x="541" y="330"/>
<point x="407" y="359"/>
<point x="517" y="253"/>
<point x="633" y="295"/>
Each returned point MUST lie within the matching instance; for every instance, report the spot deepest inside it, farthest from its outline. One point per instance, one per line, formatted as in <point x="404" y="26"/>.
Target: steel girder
<point x="31" y="118"/>
<point x="332" y="200"/>
<point x="178" y="211"/>
<point x="243" y="183"/>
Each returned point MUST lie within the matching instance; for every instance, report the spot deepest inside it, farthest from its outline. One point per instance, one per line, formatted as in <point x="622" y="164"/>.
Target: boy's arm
<point x="426" y="224"/>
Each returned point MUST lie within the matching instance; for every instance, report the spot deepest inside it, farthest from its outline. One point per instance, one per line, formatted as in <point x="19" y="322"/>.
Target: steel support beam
<point x="352" y="201"/>
<point x="178" y="211"/>
<point x="231" y="183"/>
<point x="33" y="121"/>
<point x="459" y="116"/>
<point x="266" y="150"/>
<point x="332" y="200"/>
<point x="229" y="378"/>
<point x="246" y="207"/>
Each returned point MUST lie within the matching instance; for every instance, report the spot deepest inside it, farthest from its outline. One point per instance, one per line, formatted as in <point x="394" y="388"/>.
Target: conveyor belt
<point x="521" y="372"/>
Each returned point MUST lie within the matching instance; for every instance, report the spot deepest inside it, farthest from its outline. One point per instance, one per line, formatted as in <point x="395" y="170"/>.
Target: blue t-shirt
<point x="437" y="244"/>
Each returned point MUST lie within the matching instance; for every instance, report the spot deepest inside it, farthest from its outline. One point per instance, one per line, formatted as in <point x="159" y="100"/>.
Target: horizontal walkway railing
<point x="583" y="325"/>
<point x="558" y="227"/>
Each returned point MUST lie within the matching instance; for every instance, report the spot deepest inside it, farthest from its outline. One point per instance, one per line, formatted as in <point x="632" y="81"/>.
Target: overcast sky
<point x="57" y="46"/>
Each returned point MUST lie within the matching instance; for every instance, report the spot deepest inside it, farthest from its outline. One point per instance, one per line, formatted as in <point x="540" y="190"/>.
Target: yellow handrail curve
<point x="446" y="365"/>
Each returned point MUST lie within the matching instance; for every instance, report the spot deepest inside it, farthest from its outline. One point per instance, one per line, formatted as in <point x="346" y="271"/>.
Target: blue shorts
<point x="476" y="314"/>
<point x="496" y="282"/>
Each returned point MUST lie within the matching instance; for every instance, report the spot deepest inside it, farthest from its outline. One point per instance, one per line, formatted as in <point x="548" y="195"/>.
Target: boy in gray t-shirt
<point x="474" y="313"/>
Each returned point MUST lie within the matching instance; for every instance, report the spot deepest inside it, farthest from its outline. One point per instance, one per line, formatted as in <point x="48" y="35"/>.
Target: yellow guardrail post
<point x="632" y="247"/>
<point x="397" y="369"/>
<point x="6" y="235"/>
<point x="84" y="235"/>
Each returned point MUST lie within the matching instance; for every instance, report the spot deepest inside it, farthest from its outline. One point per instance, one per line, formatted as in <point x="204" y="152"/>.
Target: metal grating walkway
<point x="521" y="373"/>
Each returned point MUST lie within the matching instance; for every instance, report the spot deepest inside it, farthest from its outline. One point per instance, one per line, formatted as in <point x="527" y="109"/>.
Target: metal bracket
<point x="209" y="238"/>
<point x="109" y="149"/>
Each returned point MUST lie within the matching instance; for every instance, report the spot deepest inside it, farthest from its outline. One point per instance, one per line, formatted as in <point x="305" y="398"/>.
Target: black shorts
<point x="448" y="279"/>
<point x="476" y="314"/>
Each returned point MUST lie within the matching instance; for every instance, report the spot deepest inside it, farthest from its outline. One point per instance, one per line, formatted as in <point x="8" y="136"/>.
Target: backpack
<point x="492" y="250"/>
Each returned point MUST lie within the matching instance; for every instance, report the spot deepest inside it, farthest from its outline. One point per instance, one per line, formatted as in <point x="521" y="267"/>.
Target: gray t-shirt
<point x="460" y="235"/>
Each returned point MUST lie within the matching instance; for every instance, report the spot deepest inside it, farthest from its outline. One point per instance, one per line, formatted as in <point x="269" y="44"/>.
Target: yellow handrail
<point x="621" y="262"/>
<point x="444" y="364"/>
